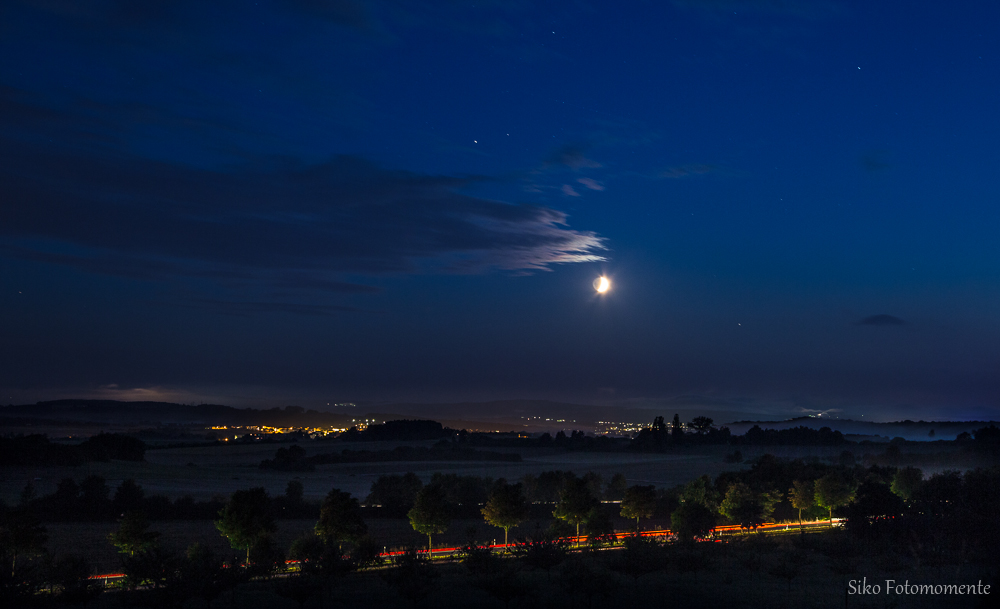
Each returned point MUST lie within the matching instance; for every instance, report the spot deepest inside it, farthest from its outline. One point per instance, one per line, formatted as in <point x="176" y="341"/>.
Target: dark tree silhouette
<point x="155" y="566"/>
<point x="340" y="519"/>
<point x="247" y="519"/>
<point x="676" y="431"/>
<point x="832" y="491"/>
<point x="430" y="514"/>
<point x="464" y="493"/>
<point x="748" y="508"/>
<point x="938" y="493"/>
<point x="692" y="519"/>
<point x="367" y="553"/>
<point x="396" y="494"/>
<point x="702" y="425"/>
<point x="546" y="487"/>
<point x="802" y="496"/>
<point x="21" y="534"/>
<point x="575" y="503"/>
<point x="874" y="510"/>
<point x="616" y="488"/>
<point x="600" y="526"/>
<point x="506" y="507"/>
<point x="94" y="497"/>
<point x="133" y="535"/>
<point x="308" y="551"/>
<point x="906" y="482"/>
<point x="106" y="446"/>
<point x="700" y="490"/>
<point x="291" y="459"/>
<point x="266" y="558"/>
<point x="594" y="482"/>
<point x="639" y="502"/>
<point x="128" y="496"/>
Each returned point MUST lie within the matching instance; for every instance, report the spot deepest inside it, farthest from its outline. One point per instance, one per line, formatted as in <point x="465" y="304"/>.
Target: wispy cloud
<point x="809" y="9"/>
<point x="881" y="320"/>
<point x="572" y="157"/>
<point x="265" y="225"/>
<point x="564" y="164"/>
<point x="288" y="225"/>
<point x="686" y="171"/>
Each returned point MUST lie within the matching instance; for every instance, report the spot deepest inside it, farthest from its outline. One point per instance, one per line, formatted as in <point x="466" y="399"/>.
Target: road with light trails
<point x="718" y="535"/>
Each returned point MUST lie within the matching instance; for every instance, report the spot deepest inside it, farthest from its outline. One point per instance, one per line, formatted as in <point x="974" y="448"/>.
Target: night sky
<point x="313" y="201"/>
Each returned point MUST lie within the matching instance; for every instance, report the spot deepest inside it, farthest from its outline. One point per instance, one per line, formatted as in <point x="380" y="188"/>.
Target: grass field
<point x="217" y="471"/>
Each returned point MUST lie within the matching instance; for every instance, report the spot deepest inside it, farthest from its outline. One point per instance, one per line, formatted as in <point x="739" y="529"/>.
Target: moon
<point x="602" y="285"/>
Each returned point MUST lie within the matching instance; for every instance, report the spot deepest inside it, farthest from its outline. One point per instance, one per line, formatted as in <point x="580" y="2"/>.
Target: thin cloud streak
<point x="286" y="225"/>
<point x="882" y="320"/>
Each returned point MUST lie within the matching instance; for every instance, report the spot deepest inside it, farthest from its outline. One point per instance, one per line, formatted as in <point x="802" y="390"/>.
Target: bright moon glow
<point x="602" y="285"/>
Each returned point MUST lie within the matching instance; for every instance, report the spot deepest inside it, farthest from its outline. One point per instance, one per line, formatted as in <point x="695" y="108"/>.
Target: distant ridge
<point x="910" y="430"/>
<point x="498" y="415"/>
<point x="153" y="413"/>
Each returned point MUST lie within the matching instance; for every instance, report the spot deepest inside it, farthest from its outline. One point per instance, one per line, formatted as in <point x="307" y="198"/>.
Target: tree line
<point x="92" y="500"/>
<point x="946" y="517"/>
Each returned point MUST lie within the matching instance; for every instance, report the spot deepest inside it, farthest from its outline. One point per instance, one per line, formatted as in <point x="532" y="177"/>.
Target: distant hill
<point x="165" y="413"/>
<point x="509" y="415"/>
<point x="910" y="430"/>
<point x="501" y="415"/>
<point x="544" y="415"/>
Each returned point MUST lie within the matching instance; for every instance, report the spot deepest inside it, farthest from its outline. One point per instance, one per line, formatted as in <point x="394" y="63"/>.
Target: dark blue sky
<point x="263" y="203"/>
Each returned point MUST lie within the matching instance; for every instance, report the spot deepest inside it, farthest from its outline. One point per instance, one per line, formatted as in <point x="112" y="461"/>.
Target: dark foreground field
<point x="787" y="570"/>
<point x="904" y="525"/>
<point x="177" y="536"/>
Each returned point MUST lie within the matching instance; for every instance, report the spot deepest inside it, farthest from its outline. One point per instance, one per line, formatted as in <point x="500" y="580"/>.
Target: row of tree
<point x="769" y="488"/>
<point x="92" y="500"/>
<point x="949" y="512"/>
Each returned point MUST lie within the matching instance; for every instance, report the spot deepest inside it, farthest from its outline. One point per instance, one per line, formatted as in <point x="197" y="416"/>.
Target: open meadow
<point x="205" y="472"/>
